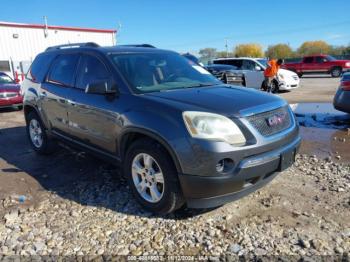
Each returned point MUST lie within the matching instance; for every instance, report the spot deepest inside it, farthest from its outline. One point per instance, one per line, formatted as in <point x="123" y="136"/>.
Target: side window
<point x="92" y="70"/>
<point x="39" y="67"/>
<point x="321" y="59"/>
<point x="308" y="60"/>
<point x="63" y="69"/>
<point x="248" y="65"/>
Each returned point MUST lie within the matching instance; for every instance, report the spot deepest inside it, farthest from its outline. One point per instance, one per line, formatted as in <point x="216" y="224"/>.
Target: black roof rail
<point x="88" y="44"/>
<point x="140" y="45"/>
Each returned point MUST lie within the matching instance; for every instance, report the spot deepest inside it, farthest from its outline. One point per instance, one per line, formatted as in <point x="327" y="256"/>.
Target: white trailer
<point x="20" y="43"/>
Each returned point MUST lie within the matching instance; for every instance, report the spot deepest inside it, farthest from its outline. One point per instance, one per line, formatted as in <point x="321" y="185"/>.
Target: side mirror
<point x="98" y="88"/>
<point x="257" y="68"/>
<point x="17" y="81"/>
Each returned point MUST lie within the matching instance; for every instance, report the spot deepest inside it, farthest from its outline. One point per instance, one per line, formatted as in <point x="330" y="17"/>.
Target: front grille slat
<point x="261" y="121"/>
<point x="8" y="95"/>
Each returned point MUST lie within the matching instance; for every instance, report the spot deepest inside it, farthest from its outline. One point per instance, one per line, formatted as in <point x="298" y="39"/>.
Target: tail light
<point x="345" y="85"/>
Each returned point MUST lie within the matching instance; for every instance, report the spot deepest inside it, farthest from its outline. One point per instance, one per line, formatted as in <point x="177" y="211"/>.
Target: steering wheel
<point x="170" y="78"/>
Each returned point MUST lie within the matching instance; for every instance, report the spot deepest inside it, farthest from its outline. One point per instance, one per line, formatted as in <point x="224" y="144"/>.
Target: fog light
<point x="224" y="165"/>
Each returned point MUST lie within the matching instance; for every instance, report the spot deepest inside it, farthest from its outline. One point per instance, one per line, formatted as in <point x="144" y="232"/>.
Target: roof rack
<point x="140" y="45"/>
<point x="88" y="44"/>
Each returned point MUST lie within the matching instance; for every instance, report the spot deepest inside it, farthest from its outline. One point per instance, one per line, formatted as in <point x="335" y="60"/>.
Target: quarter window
<point x="63" y="69"/>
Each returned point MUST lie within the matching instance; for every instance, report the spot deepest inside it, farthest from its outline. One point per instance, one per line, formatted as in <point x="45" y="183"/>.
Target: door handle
<point x="71" y="102"/>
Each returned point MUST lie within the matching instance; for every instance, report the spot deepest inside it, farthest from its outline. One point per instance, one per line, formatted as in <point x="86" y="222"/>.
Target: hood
<point x="223" y="99"/>
<point x="9" y="88"/>
<point x="286" y="72"/>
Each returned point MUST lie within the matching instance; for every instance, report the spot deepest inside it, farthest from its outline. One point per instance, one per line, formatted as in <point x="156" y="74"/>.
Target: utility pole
<point x="46" y="31"/>
<point x="226" y="46"/>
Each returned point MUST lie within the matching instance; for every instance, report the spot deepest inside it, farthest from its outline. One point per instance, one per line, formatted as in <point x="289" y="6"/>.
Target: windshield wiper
<point x="200" y="85"/>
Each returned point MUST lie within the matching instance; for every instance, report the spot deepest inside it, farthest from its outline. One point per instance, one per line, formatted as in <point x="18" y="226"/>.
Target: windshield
<point x="263" y="62"/>
<point x="5" y="79"/>
<point x="330" y="58"/>
<point x="155" y="72"/>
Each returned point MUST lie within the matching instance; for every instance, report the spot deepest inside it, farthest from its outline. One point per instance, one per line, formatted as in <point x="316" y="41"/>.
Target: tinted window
<point x="63" y="69"/>
<point x="39" y="67"/>
<point x="308" y="60"/>
<point x="234" y="62"/>
<point x="248" y="65"/>
<point x="91" y="70"/>
<point x="5" y="66"/>
<point x="320" y="59"/>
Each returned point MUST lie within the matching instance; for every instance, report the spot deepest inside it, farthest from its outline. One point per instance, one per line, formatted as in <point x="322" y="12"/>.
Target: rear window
<point x="39" y="67"/>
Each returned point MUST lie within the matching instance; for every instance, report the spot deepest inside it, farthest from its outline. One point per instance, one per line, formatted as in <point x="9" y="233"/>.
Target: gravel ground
<point x="304" y="212"/>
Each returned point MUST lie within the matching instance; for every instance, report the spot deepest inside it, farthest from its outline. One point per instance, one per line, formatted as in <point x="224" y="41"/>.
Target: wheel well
<point x="131" y="137"/>
<point x="28" y="109"/>
<point x="334" y="67"/>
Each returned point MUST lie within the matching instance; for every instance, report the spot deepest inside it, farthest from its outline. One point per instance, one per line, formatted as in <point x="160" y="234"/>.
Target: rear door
<point x="92" y="117"/>
<point x="55" y="91"/>
<point x="308" y="65"/>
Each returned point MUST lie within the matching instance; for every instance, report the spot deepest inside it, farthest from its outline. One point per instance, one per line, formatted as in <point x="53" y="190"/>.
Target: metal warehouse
<point x="20" y="43"/>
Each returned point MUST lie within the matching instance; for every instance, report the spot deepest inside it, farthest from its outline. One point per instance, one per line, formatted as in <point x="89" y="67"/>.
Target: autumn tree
<point x="249" y="50"/>
<point x="314" y="47"/>
<point x="279" y="51"/>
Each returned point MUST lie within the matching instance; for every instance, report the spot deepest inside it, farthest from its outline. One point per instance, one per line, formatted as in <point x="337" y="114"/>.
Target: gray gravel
<point x="304" y="212"/>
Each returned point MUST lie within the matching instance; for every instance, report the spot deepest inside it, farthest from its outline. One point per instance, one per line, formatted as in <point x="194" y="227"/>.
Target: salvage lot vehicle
<point x="319" y="64"/>
<point x="253" y="69"/>
<point x="179" y="134"/>
<point x="341" y="100"/>
<point x="10" y="93"/>
<point x="227" y="74"/>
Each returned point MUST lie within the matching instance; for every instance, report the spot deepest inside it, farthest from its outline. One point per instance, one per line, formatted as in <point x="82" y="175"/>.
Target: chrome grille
<point x="8" y="94"/>
<point x="271" y="122"/>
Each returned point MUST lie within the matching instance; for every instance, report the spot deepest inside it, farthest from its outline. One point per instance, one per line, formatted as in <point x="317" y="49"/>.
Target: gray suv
<point x="180" y="135"/>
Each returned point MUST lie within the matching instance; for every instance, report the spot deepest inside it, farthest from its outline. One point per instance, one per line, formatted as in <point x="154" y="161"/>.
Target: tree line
<point x="283" y="51"/>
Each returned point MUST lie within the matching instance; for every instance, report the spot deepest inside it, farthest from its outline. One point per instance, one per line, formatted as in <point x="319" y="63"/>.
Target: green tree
<point x="313" y="48"/>
<point x="207" y="53"/>
<point x="223" y="54"/>
<point x="279" y="51"/>
<point x="249" y="50"/>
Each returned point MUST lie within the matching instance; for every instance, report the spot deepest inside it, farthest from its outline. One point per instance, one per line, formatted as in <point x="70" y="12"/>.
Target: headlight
<point x="213" y="127"/>
<point x="347" y="64"/>
<point x="281" y="76"/>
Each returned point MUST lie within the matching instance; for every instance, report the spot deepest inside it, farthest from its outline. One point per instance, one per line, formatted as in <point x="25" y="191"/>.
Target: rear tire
<point x="336" y="72"/>
<point x="37" y="135"/>
<point x="19" y="108"/>
<point x="151" y="172"/>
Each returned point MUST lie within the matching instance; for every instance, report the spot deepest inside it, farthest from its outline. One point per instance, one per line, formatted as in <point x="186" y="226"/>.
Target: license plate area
<point x="287" y="159"/>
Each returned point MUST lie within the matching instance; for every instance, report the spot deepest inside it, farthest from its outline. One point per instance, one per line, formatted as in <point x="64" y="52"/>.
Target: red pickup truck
<point x="319" y="64"/>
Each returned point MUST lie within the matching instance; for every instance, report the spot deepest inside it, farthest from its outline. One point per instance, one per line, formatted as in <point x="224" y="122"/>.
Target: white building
<point x="20" y="43"/>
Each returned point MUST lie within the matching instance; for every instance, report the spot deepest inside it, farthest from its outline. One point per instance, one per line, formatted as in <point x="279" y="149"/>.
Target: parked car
<point x="10" y="92"/>
<point x="179" y="134"/>
<point x="227" y="74"/>
<point x="253" y="69"/>
<point x="341" y="100"/>
<point x="319" y="64"/>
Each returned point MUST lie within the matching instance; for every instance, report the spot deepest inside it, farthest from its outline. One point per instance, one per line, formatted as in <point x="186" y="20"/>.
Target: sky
<point x="189" y="25"/>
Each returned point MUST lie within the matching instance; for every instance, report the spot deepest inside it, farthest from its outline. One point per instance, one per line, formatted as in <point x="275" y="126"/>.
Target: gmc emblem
<point x="276" y="119"/>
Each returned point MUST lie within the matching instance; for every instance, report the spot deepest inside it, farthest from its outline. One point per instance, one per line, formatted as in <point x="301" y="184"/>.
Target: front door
<point x="92" y="117"/>
<point x="254" y="78"/>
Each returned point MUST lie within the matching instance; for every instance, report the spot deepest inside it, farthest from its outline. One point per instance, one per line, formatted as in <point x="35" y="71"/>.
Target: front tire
<point x="38" y="138"/>
<point x="152" y="177"/>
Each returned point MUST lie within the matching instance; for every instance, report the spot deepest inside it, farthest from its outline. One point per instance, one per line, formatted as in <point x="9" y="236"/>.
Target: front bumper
<point x="289" y="85"/>
<point x="341" y="101"/>
<point x="250" y="174"/>
<point x="9" y="102"/>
